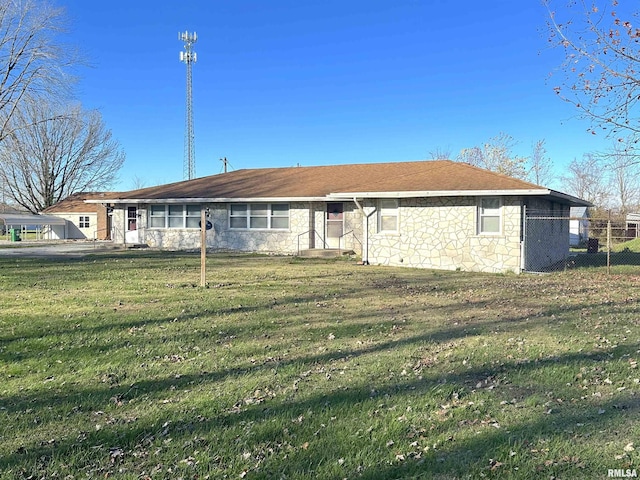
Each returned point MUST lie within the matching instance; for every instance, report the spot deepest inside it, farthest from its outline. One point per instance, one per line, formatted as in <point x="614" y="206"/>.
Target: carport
<point x="43" y="227"/>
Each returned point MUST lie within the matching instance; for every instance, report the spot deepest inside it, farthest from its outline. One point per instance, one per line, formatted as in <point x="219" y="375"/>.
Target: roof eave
<point x="439" y="193"/>
<point x="463" y="193"/>
<point x="574" y="201"/>
<point x="209" y="200"/>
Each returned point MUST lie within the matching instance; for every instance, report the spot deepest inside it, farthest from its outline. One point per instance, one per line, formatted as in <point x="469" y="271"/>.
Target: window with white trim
<point x="83" y="222"/>
<point x="174" y="216"/>
<point x="489" y="215"/>
<point x="259" y="216"/>
<point x="388" y="215"/>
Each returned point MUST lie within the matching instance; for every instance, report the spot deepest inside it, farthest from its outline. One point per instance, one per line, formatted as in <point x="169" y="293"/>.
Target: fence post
<point x="609" y="242"/>
<point x="523" y="247"/>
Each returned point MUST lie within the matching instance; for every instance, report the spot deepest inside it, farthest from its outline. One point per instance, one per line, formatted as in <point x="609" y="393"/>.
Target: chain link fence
<point x="604" y="241"/>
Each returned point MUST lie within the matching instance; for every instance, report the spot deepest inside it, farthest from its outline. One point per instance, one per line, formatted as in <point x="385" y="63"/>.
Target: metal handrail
<point x="344" y="235"/>
<point x="313" y="230"/>
<point x="95" y="232"/>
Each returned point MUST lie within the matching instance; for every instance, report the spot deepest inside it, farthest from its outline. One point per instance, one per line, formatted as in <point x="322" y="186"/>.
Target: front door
<point x="131" y="235"/>
<point x="335" y="224"/>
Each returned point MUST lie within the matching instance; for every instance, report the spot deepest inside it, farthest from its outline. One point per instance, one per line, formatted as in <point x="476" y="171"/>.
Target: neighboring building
<point x="633" y="225"/>
<point x="430" y="214"/>
<point x="578" y="226"/>
<point x="84" y="220"/>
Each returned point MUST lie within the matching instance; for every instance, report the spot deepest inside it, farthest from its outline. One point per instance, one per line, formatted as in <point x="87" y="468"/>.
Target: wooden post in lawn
<point x="203" y="246"/>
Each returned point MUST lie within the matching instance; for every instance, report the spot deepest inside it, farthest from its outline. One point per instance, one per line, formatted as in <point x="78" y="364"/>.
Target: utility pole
<point x="224" y="163"/>
<point x="189" y="57"/>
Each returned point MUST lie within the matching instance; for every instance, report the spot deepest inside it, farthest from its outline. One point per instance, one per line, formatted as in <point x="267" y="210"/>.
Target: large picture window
<point x="259" y="216"/>
<point x="174" y="216"/>
<point x="388" y="215"/>
<point x="489" y="215"/>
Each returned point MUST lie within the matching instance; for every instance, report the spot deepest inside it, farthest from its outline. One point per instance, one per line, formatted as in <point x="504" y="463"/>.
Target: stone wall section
<point x="438" y="233"/>
<point x="441" y="233"/>
<point x="118" y="226"/>
<point x="220" y="237"/>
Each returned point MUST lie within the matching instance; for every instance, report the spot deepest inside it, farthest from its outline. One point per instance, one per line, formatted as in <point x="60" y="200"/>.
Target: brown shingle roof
<point x="309" y="182"/>
<point x="76" y="203"/>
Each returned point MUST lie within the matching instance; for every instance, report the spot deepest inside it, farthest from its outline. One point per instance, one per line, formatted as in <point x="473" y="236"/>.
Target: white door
<point x="131" y="234"/>
<point x="335" y="224"/>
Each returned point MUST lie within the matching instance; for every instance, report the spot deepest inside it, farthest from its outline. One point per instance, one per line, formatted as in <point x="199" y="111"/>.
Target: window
<point x="270" y="216"/>
<point x="238" y="216"/>
<point x="258" y="215"/>
<point x="157" y="216"/>
<point x="489" y="215"/>
<point x="174" y="216"/>
<point x="83" y="222"/>
<point x="388" y="215"/>
<point x="193" y="216"/>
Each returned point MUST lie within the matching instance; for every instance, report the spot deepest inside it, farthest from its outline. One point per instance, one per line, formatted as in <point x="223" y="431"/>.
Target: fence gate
<point x="545" y="242"/>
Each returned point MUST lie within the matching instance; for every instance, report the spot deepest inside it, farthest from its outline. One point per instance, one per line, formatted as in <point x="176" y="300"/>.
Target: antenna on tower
<point x="189" y="57"/>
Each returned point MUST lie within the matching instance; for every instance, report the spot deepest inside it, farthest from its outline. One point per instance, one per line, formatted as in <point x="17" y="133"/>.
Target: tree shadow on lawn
<point x="349" y="330"/>
<point x="457" y="456"/>
<point x="111" y="320"/>
<point x="102" y="397"/>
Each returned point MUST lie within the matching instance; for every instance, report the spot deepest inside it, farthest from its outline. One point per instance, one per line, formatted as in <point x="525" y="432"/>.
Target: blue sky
<point x="285" y="82"/>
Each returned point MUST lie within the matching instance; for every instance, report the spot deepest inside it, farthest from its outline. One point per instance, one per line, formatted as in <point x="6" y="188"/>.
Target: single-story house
<point x="84" y="220"/>
<point x="431" y="214"/>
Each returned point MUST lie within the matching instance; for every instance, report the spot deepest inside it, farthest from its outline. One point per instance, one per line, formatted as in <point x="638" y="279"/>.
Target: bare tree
<point x="585" y="180"/>
<point x="624" y="177"/>
<point x="540" y="165"/>
<point x="59" y="153"/>
<point x="136" y="183"/>
<point x="440" y="154"/>
<point x="33" y="64"/>
<point x="602" y="61"/>
<point x="497" y="155"/>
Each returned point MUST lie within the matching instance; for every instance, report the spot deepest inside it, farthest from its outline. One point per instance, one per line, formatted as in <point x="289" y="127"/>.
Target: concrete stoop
<point x="324" y="253"/>
<point x="136" y="245"/>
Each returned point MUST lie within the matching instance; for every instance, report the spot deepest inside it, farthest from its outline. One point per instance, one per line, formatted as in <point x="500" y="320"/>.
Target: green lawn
<point x="121" y="366"/>
<point x="628" y="246"/>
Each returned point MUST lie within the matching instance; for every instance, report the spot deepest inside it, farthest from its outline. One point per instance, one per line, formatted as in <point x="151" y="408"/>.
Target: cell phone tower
<point x="189" y="57"/>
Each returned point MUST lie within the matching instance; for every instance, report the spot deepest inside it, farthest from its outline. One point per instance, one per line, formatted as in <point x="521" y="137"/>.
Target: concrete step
<point x="324" y="253"/>
<point x="137" y="245"/>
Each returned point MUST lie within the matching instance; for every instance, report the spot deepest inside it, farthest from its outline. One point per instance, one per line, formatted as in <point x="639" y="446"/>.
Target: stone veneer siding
<point x="441" y="233"/>
<point x="438" y="233"/>
<point x="306" y="230"/>
<point x="118" y="226"/>
<point x="220" y="237"/>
